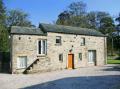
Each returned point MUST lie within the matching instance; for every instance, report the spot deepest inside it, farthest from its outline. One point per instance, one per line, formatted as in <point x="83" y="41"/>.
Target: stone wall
<point x="73" y="42"/>
<point x="26" y="45"/>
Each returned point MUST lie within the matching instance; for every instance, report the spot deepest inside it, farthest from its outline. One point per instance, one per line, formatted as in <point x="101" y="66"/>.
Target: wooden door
<point x="70" y="61"/>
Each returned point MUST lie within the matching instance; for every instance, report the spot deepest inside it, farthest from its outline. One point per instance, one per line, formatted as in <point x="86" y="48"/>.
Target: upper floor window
<point x="82" y="41"/>
<point x="42" y="47"/>
<point x="58" y="40"/>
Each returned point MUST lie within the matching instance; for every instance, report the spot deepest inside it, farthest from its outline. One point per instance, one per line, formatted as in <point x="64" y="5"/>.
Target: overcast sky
<point x="46" y="11"/>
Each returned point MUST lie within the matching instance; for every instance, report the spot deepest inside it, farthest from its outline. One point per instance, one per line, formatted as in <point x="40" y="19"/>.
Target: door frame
<point x="95" y="59"/>
<point x="72" y="61"/>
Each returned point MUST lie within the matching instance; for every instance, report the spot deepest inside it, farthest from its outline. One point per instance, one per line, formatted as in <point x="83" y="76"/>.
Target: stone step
<point x="41" y="64"/>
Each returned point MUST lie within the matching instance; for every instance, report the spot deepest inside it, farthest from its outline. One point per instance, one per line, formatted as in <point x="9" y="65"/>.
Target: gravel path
<point x="106" y="77"/>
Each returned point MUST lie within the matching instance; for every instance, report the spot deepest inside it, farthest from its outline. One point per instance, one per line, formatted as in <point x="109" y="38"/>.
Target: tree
<point x="94" y="18"/>
<point x="63" y="18"/>
<point x="2" y="12"/>
<point x="91" y="17"/>
<point x="74" y="16"/>
<point x="107" y="25"/>
<point x="17" y="18"/>
<point x="77" y="8"/>
<point x="4" y="40"/>
<point x="3" y="31"/>
<point x="118" y="25"/>
<point x="117" y="36"/>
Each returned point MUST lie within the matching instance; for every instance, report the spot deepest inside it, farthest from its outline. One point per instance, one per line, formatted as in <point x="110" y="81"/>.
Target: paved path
<point x="106" y="77"/>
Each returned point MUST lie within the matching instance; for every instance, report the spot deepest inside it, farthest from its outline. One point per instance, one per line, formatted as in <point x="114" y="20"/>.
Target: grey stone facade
<point x="26" y="45"/>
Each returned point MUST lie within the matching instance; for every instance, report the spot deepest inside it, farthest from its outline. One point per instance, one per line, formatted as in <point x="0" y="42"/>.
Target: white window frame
<point x="43" y="50"/>
<point x="80" y="58"/>
<point x="59" y="38"/>
<point x="91" y="56"/>
<point x="82" y="43"/>
<point x="22" y="62"/>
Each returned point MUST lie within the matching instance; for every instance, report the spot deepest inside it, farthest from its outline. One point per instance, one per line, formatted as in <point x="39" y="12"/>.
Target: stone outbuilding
<point x="55" y="47"/>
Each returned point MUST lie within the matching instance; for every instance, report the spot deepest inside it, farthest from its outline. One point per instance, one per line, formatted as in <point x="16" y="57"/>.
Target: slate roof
<point x="26" y="30"/>
<point x="44" y="28"/>
<point x="69" y="30"/>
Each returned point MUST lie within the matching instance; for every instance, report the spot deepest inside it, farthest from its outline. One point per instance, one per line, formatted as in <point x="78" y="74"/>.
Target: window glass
<point x="61" y="57"/>
<point x="91" y="55"/>
<point x="82" y="41"/>
<point x="58" y="39"/>
<point x="42" y="46"/>
<point x="80" y="56"/>
<point x="22" y="62"/>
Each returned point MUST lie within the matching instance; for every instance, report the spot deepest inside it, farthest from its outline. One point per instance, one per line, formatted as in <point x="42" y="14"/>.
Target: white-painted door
<point x="92" y="56"/>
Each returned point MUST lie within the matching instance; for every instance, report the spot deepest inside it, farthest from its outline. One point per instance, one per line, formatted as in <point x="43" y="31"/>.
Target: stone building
<point x="53" y="47"/>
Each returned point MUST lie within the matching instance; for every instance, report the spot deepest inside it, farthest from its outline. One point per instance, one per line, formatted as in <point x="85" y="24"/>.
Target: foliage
<point x="77" y="8"/>
<point x="4" y="39"/>
<point x="76" y="15"/>
<point x="17" y="18"/>
<point x="107" y="25"/>
<point x="3" y="31"/>
<point x="8" y="19"/>
<point x="118" y="25"/>
<point x="2" y="12"/>
<point x="117" y="36"/>
<point x="116" y="41"/>
<point x="94" y="18"/>
<point x="64" y="18"/>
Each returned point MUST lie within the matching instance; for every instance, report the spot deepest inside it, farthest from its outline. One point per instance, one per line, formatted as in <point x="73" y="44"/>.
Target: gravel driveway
<point x="106" y="77"/>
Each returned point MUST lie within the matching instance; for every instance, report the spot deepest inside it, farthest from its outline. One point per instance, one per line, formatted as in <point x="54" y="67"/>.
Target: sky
<point x="47" y="11"/>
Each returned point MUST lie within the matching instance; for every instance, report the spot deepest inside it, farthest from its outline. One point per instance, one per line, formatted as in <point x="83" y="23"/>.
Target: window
<point x="82" y="41"/>
<point x="91" y="56"/>
<point x="42" y="47"/>
<point x="22" y="62"/>
<point x="80" y="56"/>
<point x="58" y="39"/>
<point x="61" y="57"/>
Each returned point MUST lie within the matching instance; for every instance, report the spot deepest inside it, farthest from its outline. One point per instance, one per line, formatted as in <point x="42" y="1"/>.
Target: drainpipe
<point x="105" y="50"/>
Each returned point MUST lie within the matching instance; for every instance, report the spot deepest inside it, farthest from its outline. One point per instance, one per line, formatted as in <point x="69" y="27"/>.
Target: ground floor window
<point x="42" y="47"/>
<point x="80" y="56"/>
<point x="22" y="62"/>
<point x="61" y="57"/>
<point x="91" y="56"/>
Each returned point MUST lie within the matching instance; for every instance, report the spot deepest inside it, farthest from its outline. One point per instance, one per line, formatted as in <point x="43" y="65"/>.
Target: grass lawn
<point x="111" y="61"/>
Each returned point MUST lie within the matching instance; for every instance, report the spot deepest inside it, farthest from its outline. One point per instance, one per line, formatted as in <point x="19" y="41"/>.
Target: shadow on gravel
<point x="88" y="82"/>
<point x="113" y="68"/>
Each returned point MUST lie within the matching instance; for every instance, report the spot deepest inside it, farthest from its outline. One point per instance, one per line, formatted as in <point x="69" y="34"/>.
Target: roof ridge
<point x="70" y="29"/>
<point x="24" y="27"/>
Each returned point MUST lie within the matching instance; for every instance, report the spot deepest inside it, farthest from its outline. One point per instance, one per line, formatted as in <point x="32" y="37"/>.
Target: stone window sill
<point x="58" y="44"/>
<point x="91" y="62"/>
<point x="21" y="68"/>
<point x="41" y="55"/>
